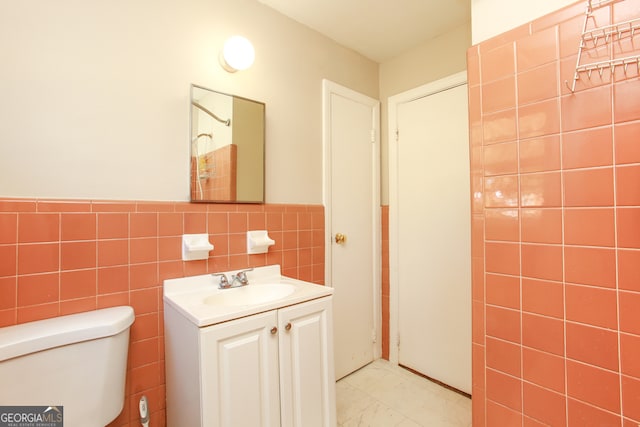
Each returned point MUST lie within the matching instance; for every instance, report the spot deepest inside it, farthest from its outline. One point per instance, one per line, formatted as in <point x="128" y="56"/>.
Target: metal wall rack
<point x="608" y="33"/>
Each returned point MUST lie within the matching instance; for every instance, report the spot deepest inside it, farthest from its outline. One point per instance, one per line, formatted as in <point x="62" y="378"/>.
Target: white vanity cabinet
<point x="240" y="372"/>
<point x="274" y="368"/>
<point x="307" y="379"/>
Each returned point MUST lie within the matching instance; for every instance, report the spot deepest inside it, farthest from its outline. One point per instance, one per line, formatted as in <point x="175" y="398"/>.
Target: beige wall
<point x="432" y="60"/>
<point x="492" y="17"/>
<point x="95" y="95"/>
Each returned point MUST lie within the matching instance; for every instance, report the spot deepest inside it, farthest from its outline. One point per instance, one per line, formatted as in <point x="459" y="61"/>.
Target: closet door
<point x="431" y="236"/>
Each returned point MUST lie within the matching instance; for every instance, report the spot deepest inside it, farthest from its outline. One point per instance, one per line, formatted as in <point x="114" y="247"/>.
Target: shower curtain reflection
<point x="213" y="171"/>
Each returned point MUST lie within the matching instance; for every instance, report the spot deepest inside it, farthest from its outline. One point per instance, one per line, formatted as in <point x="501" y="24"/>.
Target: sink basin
<point x="199" y="300"/>
<point x="251" y="294"/>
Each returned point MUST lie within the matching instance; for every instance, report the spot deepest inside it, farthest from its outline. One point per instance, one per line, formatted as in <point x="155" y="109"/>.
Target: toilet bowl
<point x="78" y="362"/>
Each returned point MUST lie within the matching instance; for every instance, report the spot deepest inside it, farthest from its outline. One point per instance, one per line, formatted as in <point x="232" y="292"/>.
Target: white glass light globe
<point x="237" y="54"/>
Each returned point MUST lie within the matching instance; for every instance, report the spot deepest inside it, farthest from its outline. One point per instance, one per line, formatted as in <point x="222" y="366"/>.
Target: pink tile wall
<point x="219" y="181"/>
<point x="556" y="226"/>
<point x="63" y="257"/>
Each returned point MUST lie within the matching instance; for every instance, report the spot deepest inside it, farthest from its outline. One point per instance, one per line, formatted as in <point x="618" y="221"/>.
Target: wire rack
<point x="607" y="35"/>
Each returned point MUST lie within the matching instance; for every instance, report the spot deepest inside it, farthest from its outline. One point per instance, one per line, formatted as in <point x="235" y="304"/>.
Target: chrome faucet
<point x="224" y="282"/>
<point x="240" y="277"/>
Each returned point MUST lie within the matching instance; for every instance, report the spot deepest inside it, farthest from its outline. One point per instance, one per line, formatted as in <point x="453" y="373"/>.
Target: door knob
<point x="341" y="239"/>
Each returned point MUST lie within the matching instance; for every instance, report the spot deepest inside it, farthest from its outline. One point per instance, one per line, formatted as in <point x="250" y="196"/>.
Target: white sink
<point x="251" y="294"/>
<point x="202" y="302"/>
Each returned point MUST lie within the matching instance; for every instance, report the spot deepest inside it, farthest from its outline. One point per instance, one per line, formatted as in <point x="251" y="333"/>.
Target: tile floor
<point x="383" y="394"/>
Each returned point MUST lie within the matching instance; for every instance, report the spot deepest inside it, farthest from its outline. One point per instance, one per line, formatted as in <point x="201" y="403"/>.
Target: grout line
<point x="484" y="248"/>
<point x="615" y="240"/>
<point x="562" y="240"/>
<point x="519" y="208"/>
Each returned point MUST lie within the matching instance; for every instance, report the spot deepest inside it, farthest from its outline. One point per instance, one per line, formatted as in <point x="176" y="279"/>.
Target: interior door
<point x="434" y="238"/>
<point x="352" y="223"/>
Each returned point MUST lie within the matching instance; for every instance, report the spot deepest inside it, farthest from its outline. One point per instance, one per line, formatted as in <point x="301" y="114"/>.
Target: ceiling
<point x="377" y="29"/>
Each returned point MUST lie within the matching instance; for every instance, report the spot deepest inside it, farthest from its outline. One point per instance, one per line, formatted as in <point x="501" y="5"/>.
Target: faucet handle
<point x="241" y="276"/>
<point x="224" y="282"/>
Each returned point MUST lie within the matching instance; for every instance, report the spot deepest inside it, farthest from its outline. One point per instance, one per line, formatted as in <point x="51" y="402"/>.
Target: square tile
<point x="538" y="84"/>
<point x="543" y="297"/>
<point x="504" y="356"/>
<point x="626" y="143"/>
<point x="503" y="290"/>
<point x="504" y="389"/>
<point x="544" y="405"/>
<point x="497" y="63"/>
<point x="588" y="187"/>
<point x="593" y="385"/>
<point x="540" y="154"/>
<point x="591" y="306"/>
<point x="595" y="346"/>
<point x="501" y="159"/>
<point x="541" y="190"/>
<point x="542" y="225"/>
<point x="589" y="227"/>
<point x="582" y="414"/>
<point x="590" y="266"/>
<point x="628" y="222"/>
<point x="539" y="119"/>
<point x="501" y="224"/>
<point x="499" y="95"/>
<point x="543" y="333"/>
<point x="587" y="108"/>
<point x="587" y="148"/>
<point x="499" y="127"/>
<point x="544" y="369"/>
<point x="537" y="49"/>
<point x="542" y="262"/>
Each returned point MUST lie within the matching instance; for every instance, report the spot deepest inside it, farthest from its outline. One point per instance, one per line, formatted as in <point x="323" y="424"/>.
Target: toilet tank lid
<point x="26" y="338"/>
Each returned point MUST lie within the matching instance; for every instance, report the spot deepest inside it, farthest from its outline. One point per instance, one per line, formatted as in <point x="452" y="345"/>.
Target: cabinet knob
<point x="274" y="330"/>
<point x="288" y="326"/>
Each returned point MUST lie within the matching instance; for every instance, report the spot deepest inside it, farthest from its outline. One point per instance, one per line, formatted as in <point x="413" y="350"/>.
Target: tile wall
<point x="62" y="257"/>
<point x="556" y="225"/>
<point x="218" y="174"/>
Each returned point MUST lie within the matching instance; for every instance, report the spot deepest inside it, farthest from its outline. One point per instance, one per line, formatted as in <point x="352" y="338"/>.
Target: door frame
<point x="330" y="88"/>
<point x="432" y="88"/>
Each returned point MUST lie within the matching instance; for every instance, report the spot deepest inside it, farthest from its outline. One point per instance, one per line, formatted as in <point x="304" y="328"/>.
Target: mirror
<point x="227" y="147"/>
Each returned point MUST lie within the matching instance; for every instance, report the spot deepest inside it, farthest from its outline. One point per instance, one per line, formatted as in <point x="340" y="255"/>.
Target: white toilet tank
<point x="78" y="362"/>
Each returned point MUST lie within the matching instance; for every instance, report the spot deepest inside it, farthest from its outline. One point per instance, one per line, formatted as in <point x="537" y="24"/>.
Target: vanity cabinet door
<point x="239" y="362"/>
<point x="307" y="378"/>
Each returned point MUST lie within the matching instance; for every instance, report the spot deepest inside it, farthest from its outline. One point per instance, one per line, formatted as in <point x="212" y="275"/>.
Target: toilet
<point x="77" y="361"/>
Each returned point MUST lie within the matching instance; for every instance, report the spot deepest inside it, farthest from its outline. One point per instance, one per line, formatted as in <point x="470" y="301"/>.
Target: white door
<point x="352" y="201"/>
<point x="307" y="381"/>
<point x="430" y="237"/>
